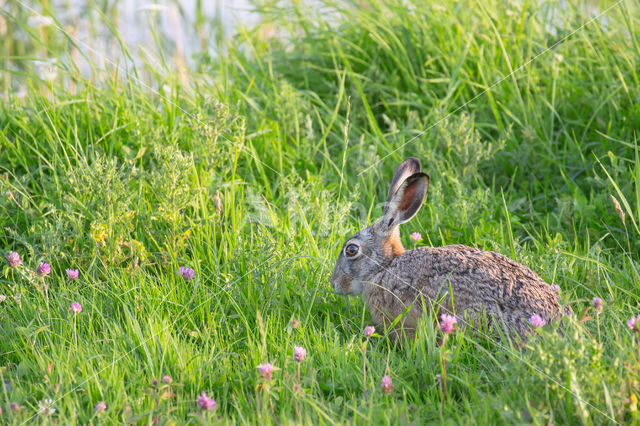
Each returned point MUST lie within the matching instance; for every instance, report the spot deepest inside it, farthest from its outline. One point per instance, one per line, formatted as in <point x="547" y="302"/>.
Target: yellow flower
<point x="98" y="232"/>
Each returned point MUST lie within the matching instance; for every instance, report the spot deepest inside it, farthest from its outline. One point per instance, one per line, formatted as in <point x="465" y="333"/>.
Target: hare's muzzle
<point x="344" y="285"/>
<point x="340" y="281"/>
<point x="334" y="281"/>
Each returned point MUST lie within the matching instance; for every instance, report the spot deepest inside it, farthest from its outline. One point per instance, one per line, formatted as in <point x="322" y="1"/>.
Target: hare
<point x="473" y="284"/>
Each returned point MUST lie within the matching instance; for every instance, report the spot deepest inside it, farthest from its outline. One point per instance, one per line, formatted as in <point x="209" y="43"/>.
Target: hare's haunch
<point x="472" y="283"/>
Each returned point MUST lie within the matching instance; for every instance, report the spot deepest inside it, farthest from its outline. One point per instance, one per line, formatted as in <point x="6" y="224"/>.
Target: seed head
<point x="43" y="269"/>
<point x="616" y="205"/>
<point x="205" y="403"/>
<point x="537" y="321"/>
<point x="13" y="259"/>
<point x="187" y="273"/>
<point x="634" y="323"/>
<point x="386" y="384"/>
<point x="45" y="407"/>
<point x="447" y="323"/>
<point x="218" y="203"/>
<point x="265" y="371"/>
<point x="75" y="307"/>
<point x="596" y="302"/>
<point x="299" y="353"/>
<point x="369" y="330"/>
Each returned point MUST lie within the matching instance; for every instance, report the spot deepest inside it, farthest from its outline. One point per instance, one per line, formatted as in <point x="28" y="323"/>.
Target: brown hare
<point x="472" y="284"/>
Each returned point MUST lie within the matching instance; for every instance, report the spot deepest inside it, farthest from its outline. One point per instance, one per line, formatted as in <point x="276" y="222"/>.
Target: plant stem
<point x="364" y="366"/>
<point x="444" y="376"/>
<point x="271" y="405"/>
<point x="443" y="381"/>
<point x="638" y="349"/>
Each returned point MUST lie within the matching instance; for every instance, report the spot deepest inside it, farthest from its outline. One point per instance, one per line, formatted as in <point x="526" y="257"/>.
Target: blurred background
<point x="43" y="39"/>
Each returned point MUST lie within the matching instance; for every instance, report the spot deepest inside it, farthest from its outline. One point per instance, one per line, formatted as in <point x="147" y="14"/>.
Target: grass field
<point x="254" y="163"/>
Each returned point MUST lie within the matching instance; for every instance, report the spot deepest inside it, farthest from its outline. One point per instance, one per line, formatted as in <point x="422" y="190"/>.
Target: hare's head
<point x="372" y="249"/>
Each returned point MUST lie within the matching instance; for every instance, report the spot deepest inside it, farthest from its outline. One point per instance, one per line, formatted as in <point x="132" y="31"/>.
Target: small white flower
<point x="20" y="94"/>
<point x="153" y="7"/>
<point x="47" y="70"/>
<point x="2" y="298"/>
<point x="45" y="407"/>
<point x="39" y="21"/>
<point x="50" y="75"/>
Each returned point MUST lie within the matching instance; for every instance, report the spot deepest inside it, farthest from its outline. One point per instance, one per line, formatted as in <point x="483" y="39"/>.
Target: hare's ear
<point x="406" y="202"/>
<point x="408" y="167"/>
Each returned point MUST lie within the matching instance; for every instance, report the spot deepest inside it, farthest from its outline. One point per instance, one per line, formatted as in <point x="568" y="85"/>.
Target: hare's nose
<point x="334" y="284"/>
<point x="334" y="280"/>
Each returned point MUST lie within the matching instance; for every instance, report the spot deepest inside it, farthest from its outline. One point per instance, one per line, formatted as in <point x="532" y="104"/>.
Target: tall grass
<point x="253" y="171"/>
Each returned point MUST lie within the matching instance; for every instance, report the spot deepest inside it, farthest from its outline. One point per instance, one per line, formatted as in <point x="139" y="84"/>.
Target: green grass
<point x="295" y="138"/>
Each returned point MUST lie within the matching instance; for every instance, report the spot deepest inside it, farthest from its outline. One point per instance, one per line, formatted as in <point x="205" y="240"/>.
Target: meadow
<point x="203" y="202"/>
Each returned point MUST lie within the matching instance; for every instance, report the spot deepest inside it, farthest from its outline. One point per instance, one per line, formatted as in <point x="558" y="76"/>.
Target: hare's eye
<point x="351" y="250"/>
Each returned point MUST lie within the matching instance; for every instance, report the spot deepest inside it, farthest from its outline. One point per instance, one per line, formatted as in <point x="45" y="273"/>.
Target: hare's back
<point x="479" y="280"/>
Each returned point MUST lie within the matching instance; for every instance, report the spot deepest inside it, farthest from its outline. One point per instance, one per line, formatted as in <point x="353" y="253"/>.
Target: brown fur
<point x="393" y="246"/>
<point x="465" y="281"/>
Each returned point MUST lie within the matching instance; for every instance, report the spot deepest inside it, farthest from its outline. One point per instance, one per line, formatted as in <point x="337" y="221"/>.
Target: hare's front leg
<point x="386" y="307"/>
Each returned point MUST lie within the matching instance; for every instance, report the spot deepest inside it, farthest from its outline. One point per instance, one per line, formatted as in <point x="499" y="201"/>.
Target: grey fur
<point x="472" y="283"/>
